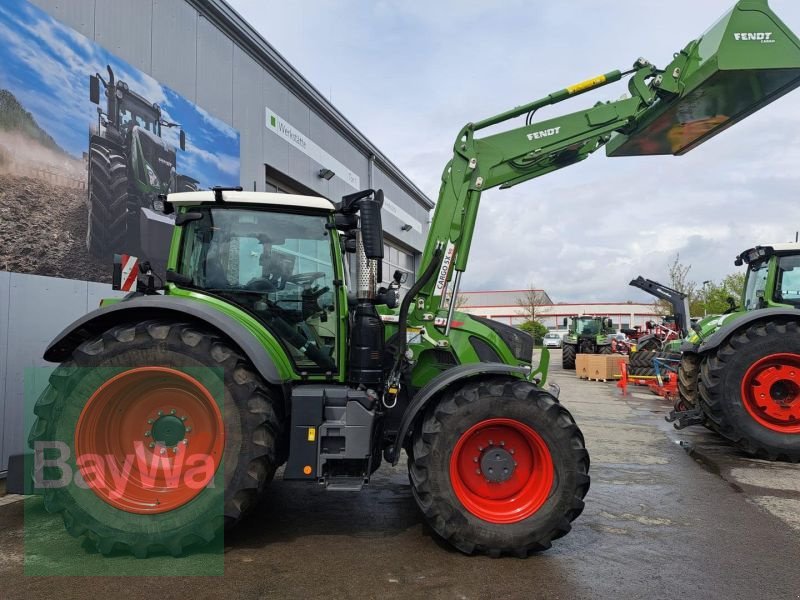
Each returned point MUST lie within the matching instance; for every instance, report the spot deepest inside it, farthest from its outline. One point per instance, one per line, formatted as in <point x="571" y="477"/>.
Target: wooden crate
<point x="582" y="365"/>
<point x="602" y="367"/>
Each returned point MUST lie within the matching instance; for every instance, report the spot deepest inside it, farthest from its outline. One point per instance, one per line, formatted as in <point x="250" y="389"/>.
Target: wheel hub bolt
<point x="173" y="411"/>
<point x="146" y="434"/>
<point x="162" y="451"/>
<point x="152" y="444"/>
<point x="188" y="429"/>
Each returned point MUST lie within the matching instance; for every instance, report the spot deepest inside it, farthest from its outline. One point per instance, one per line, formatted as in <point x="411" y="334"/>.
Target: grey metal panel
<point x="300" y="165"/>
<point x="276" y="97"/>
<point x="124" y="28"/>
<point x="33" y="321"/>
<point x="391" y="224"/>
<point x="214" y="70"/>
<point x="330" y="140"/>
<point x="175" y="46"/>
<point x="78" y="14"/>
<point x="248" y="117"/>
<point x="5" y="287"/>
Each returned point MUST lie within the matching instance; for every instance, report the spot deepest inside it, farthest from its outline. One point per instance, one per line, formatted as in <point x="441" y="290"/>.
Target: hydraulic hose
<point x="406" y="303"/>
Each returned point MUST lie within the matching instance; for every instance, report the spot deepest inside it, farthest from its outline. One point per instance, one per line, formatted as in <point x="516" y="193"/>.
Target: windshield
<point x="756" y="284"/>
<point x="787" y="286"/>
<point x="587" y="326"/>
<point x="133" y="113"/>
<point x="275" y="265"/>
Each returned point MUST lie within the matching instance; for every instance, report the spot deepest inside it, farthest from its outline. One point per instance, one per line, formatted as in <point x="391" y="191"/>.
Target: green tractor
<point x="586" y="335"/>
<point x="130" y="166"/>
<point x="740" y="371"/>
<point x="260" y="352"/>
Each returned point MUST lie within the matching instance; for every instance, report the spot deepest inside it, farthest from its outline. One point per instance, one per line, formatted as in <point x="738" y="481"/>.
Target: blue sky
<point x="410" y="74"/>
<point x="46" y="65"/>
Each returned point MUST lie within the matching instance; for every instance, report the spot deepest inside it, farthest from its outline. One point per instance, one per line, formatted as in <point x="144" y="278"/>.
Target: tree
<point x="679" y="280"/>
<point x="715" y="295"/>
<point x="536" y="329"/>
<point x="529" y="303"/>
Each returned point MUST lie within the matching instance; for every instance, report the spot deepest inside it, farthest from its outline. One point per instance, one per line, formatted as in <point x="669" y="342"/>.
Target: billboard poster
<point x="88" y="146"/>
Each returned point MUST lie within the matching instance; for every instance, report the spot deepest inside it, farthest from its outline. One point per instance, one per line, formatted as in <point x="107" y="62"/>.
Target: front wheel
<point x="499" y="467"/>
<point x="568" y="353"/>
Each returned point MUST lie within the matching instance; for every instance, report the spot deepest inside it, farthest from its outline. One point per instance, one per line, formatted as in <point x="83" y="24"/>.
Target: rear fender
<point x="175" y="309"/>
<point x="717" y="338"/>
<point x="439" y="384"/>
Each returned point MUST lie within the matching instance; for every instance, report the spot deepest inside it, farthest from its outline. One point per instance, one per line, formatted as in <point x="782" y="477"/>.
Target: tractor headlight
<point x="152" y="178"/>
<point x="158" y="205"/>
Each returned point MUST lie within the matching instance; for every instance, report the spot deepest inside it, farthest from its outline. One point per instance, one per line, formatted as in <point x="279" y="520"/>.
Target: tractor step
<point x="681" y="419"/>
<point x="344" y="484"/>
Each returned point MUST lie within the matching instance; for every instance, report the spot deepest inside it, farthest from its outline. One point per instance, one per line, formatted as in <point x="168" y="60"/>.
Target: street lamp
<point x="706" y="283"/>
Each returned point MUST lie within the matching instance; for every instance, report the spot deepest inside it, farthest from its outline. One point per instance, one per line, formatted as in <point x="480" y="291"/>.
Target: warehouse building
<point x="249" y="118"/>
<point x="510" y="307"/>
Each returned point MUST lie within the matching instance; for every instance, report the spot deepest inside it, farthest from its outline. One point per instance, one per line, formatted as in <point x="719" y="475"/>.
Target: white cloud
<point x="410" y="74"/>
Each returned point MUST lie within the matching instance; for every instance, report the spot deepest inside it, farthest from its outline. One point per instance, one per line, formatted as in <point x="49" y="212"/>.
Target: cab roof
<point x="264" y="198"/>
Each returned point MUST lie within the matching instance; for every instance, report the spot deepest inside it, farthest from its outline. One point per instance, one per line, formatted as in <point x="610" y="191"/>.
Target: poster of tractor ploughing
<point x="88" y="144"/>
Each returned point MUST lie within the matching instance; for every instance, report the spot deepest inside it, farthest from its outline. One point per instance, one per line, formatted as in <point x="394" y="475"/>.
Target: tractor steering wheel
<point x="305" y="278"/>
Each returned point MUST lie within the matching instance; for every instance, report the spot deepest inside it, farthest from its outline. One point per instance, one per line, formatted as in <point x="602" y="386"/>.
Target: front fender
<point x="174" y="308"/>
<point x="439" y="384"/>
<point x="723" y="333"/>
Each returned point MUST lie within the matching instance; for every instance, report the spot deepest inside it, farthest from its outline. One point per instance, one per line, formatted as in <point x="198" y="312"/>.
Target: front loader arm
<point x="511" y="157"/>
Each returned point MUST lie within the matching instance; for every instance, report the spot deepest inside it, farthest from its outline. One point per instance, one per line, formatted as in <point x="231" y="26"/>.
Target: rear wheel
<point x="568" y="353"/>
<point x="499" y="467"/>
<point x="648" y="342"/>
<point x="749" y="389"/>
<point x="605" y="349"/>
<point x="183" y="408"/>
<point x="107" y="226"/>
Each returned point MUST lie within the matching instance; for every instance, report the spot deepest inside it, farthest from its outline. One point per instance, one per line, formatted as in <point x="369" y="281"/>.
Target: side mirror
<point x="400" y="277"/>
<point x="183" y="139"/>
<point x="94" y="89"/>
<point x="609" y="323"/>
<point x="566" y="320"/>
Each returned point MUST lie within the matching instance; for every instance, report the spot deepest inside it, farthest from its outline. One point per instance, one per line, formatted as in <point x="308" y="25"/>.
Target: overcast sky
<point x="409" y="74"/>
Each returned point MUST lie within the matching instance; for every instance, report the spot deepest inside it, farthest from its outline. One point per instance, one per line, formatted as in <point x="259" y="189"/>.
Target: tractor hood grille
<point x="159" y="154"/>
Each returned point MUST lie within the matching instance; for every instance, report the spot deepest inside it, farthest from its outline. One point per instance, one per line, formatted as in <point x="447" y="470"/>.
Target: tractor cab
<point x="273" y="257"/>
<point x="773" y="276"/>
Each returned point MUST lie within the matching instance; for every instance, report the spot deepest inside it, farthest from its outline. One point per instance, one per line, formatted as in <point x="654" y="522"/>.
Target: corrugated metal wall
<point x="33" y="310"/>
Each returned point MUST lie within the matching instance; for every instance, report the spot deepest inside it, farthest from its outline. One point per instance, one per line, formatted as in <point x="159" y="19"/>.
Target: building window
<point x="395" y="258"/>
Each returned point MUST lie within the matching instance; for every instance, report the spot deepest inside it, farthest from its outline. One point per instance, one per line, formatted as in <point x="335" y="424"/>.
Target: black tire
<point x="568" y="353"/>
<point x="605" y="349"/>
<point x="457" y="411"/>
<point x="724" y="374"/>
<point x="649" y="343"/>
<point x="642" y="358"/>
<point x="253" y="445"/>
<point x="107" y="229"/>
<point x="688" y="379"/>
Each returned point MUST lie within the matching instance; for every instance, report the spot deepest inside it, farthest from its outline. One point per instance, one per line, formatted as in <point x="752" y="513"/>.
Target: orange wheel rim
<point x="149" y="440"/>
<point x="771" y="392"/>
<point x="501" y="471"/>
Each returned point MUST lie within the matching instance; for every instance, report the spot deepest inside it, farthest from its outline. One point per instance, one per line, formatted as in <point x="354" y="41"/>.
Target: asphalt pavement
<point x="660" y="522"/>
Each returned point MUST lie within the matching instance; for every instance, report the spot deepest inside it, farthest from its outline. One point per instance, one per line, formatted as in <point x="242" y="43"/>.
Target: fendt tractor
<point x="228" y="363"/>
<point x="130" y="166"/>
<point x="586" y="335"/>
<point x="740" y="371"/>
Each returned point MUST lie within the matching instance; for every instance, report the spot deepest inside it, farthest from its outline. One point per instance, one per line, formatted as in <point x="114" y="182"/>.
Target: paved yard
<point x="660" y="522"/>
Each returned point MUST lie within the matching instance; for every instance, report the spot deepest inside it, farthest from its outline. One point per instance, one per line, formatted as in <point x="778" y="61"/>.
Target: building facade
<point x="511" y="307"/>
<point x="248" y="117"/>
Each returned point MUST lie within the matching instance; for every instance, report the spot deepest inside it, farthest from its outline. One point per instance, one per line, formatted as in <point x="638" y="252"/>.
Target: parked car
<point x="552" y="340"/>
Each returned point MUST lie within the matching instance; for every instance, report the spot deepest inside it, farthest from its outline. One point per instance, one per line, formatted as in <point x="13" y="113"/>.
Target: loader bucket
<point x="747" y="59"/>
